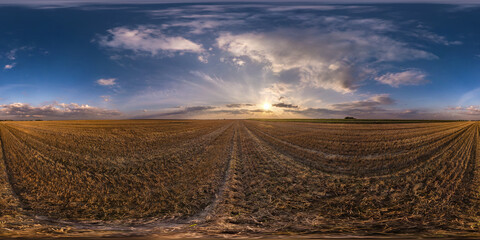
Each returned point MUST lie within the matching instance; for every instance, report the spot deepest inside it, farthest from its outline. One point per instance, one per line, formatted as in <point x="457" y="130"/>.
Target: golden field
<point x="238" y="177"/>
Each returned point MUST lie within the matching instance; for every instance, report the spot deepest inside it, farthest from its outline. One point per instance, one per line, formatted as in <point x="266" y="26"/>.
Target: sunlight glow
<point x="267" y="106"/>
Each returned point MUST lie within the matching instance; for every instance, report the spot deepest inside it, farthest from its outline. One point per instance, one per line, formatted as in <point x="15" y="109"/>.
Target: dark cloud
<point x="239" y="105"/>
<point x="315" y="112"/>
<point x="379" y="113"/>
<point x="55" y="111"/>
<point x="371" y="104"/>
<point x="209" y="111"/>
<point x="368" y="108"/>
<point x="259" y="111"/>
<point x="233" y="112"/>
<point x="188" y="111"/>
<point x="284" y="105"/>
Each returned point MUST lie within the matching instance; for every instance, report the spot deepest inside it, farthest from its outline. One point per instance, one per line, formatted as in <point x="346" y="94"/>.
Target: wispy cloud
<point x="147" y="39"/>
<point x="409" y="77"/>
<point x="106" y="98"/>
<point x="107" y="81"/>
<point x="9" y="66"/>
<point x="473" y="110"/>
<point x="433" y="37"/>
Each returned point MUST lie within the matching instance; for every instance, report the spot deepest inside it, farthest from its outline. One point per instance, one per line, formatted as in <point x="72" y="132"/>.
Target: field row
<point x="268" y="175"/>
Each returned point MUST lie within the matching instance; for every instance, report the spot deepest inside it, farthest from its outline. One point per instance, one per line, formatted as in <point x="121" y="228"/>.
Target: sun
<point x="267" y="106"/>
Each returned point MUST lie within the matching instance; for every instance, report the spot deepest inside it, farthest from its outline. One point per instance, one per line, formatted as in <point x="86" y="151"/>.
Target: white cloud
<point x="9" y="66"/>
<point x="409" y="77"/>
<point x="469" y="112"/>
<point x="107" y="81"/>
<point x="336" y="60"/>
<point x="147" y="39"/>
<point x="203" y="59"/>
<point x="12" y="54"/>
<point x="55" y="111"/>
<point x="106" y="98"/>
<point x="238" y="61"/>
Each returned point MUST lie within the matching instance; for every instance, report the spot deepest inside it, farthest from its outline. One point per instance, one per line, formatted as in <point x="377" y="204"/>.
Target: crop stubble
<point x="246" y="174"/>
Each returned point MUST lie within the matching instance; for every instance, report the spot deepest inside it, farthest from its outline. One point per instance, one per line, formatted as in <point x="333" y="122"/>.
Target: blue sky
<point x="153" y="59"/>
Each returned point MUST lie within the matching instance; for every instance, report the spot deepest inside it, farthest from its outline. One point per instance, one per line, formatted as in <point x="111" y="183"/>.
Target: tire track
<point x="211" y="210"/>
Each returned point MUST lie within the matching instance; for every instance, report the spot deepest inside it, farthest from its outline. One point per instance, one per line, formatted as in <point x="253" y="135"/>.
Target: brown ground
<point x="236" y="179"/>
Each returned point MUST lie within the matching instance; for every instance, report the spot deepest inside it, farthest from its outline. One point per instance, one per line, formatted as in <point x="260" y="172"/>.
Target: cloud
<point x="73" y="3"/>
<point x="202" y="59"/>
<point x="277" y="91"/>
<point x="200" y="26"/>
<point x="367" y="107"/>
<point x="372" y="107"/>
<point x="210" y="79"/>
<point x="55" y="111"/>
<point x="182" y="113"/>
<point x="106" y="98"/>
<point x="371" y="104"/>
<point x="284" y="105"/>
<point x="148" y="40"/>
<point x="378" y="114"/>
<point x="12" y="54"/>
<point x="107" y="81"/>
<point x="9" y="66"/>
<point x="470" y="110"/>
<point x="239" y="105"/>
<point x="313" y="8"/>
<point x="209" y="112"/>
<point x="409" y="77"/>
<point x="329" y="59"/>
<point x="433" y="37"/>
<point x="238" y="61"/>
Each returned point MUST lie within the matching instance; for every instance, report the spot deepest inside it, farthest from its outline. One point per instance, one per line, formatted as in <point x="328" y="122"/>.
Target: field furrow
<point x="234" y="175"/>
<point x="9" y="203"/>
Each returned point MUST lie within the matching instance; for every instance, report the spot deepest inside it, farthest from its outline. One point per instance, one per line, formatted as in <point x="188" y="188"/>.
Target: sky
<point x="105" y="59"/>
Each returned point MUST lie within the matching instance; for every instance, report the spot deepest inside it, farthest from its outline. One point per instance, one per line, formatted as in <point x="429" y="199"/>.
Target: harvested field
<point x="238" y="177"/>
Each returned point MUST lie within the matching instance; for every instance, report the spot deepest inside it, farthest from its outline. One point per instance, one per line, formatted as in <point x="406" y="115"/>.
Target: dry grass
<point x="238" y="175"/>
